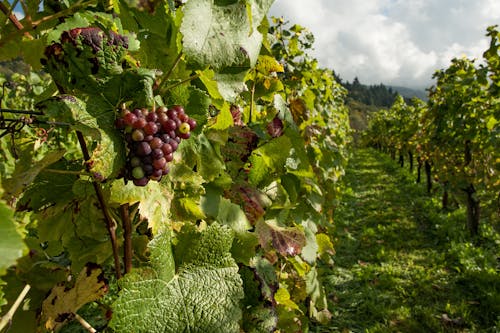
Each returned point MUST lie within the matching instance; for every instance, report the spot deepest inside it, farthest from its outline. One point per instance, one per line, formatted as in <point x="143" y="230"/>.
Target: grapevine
<point x="199" y="160"/>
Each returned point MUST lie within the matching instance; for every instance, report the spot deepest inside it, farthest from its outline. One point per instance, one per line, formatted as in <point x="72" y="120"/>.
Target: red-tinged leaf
<point x="250" y="199"/>
<point x="287" y="241"/>
<point x="275" y="127"/>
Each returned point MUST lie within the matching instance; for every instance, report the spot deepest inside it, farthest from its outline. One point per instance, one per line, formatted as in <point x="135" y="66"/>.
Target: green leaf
<point x="203" y="295"/>
<point x="318" y="306"/>
<point x="233" y="216"/>
<point x="209" y="162"/>
<point x="11" y="242"/>
<point x="282" y="297"/>
<point x="154" y="200"/>
<point x="269" y="158"/>
<point x="224" y="119"/>
<point x="225" y="37"/>
<point x="26" y="172"/>
<point x="231" y="84"/>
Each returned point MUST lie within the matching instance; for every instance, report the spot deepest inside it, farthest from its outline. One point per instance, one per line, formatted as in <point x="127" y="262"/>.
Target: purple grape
<point x="148" y="169"/>
<point x="159" y="163"/>
<point x="157" y="153"/>
<point x="166" y="148"/>
<point x="143" y="149"/>
<point x="141" y="182"/>
<point x="150" y="128"/>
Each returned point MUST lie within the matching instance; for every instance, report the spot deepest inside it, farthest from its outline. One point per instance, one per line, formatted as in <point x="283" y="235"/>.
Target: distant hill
<point x="409" y="93"/>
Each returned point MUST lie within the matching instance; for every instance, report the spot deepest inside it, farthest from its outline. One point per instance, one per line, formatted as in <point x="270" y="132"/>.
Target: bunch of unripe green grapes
<point x="152" y="137"/>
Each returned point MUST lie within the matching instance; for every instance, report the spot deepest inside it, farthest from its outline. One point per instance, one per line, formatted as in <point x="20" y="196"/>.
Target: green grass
<point x="403" y="265"/>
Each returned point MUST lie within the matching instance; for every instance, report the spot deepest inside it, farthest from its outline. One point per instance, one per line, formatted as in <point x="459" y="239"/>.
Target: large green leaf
<point x="154" y="200"/>
<point x="223" y="33"/>
<point x="27" y="170"/>
<point x="11" y="243"/>
<point x="202" y="296"/>
<point x="269" y="158"/>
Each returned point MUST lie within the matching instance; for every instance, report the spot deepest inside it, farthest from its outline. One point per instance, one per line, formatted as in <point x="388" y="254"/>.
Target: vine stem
<point x="13" y="19"/>
<point x="174" y="65"/>
<point x="252" y="98"/>
<point x="191" y="78"/>
<point x="10" y="314"/>
<point x="127" y="236"/>
<point x="67" y="172"/>
<point x="85" y="324"/>
<point x="110" y="224"/>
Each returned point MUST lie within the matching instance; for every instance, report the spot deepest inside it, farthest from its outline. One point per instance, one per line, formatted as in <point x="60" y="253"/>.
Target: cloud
<point x="397" y="42"/>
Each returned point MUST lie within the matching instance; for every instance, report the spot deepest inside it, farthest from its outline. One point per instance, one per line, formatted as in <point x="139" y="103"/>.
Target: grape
<point x="157" y="173"/>
<point x="169" y="125"/>
<point x="162" y="119"/>
<point x="172" y="114"/>
<point x="174" y="144"/>
<point x="139" y="123"/>
<point x="166" y="148"/>
<point x="157" y="153"/>
<point x="148" y="169"/>
<point x="141" y="182"/>
<point x="156" y="143"/>
<point x="179" y="109"/>
<point x="129" y="118"/>
<point x="184" y="128"/>
<point x="135" y="161"/>
<point x="152" y="117"/>
<point x="169" y="157"/>
<point x="137" y="135"/>
<point x="152" y="137"/>
<point x="192" y="124"/>
<point x="159" y="163"/>
<point x="143" y="149"/>
<point x="137" y="172"/>
<point x="138" y="113"/>
<point x="161" y="109"/>
<point x="185" y="135"/>
<point x="150" y="128"/>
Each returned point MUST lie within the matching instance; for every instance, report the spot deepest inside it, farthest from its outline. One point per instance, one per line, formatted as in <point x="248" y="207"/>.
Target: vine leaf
<point x="11" y="243"/>
<point x="202" y="294"/>
<point x="62" y="303"/>
<point x="287" y="241"/>
<point x="227" y="36"/>
<point x="154" y="200"/>
<point x="268" y="159"/>
<point x="27" y="170"/>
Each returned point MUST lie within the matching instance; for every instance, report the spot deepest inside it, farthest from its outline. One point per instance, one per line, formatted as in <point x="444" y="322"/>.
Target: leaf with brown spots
<point x="62" y="303"/>
<point x="288" y="241"/>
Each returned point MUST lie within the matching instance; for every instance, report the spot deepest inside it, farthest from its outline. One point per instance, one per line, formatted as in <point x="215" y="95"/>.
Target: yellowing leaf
<point x="298" y="109"/>
<point x="267" y="65"/>
<point x="62" y="303"/>
<point x="282" y="297"/>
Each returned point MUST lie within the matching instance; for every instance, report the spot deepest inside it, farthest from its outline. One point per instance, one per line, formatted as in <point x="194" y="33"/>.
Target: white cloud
<point x="400" y="42"/>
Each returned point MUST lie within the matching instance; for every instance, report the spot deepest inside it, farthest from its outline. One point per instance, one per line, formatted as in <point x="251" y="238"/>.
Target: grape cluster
<point x="152" y="138"/>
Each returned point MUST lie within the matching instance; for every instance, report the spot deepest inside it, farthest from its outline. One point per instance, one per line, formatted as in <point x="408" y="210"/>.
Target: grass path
<point x="392" y="272"/>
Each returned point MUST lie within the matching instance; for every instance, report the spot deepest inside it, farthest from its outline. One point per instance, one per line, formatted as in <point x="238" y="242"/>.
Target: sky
<point x="394" y="42"/>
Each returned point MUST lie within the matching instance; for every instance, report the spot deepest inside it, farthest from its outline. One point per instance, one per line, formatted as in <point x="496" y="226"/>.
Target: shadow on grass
<point x="392" y="271"/>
